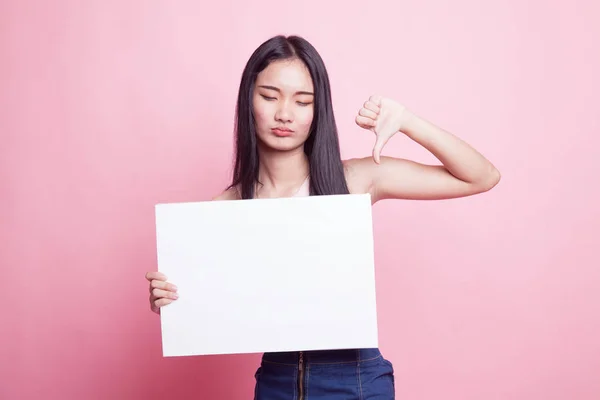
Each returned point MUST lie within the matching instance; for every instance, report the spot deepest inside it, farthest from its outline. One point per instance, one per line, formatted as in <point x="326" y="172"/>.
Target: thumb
<point x="379" y="143"/>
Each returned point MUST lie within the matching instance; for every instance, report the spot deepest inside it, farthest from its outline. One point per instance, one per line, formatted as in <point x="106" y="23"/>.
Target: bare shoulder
<point x="228" y="194"/>
<point x="358" y="174"/>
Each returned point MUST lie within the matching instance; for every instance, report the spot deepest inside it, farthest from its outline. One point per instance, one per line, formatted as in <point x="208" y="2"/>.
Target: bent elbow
<point x="492" y="179"/>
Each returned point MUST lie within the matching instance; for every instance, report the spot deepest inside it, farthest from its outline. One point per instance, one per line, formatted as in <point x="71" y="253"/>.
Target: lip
<point x="282" y="132"/>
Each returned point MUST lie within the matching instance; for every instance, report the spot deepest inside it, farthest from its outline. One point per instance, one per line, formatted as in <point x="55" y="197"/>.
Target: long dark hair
<point x="322" y="146"/>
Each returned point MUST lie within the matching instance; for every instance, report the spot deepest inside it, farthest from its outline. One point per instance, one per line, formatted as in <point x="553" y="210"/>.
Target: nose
<point x="284" y="113"/>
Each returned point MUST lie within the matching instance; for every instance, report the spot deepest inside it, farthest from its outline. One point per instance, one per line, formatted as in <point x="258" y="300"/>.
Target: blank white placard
<point x="285" y="274"/>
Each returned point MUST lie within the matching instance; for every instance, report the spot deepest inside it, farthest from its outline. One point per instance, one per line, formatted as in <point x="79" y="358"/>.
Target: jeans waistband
<point x="323" y="356"/>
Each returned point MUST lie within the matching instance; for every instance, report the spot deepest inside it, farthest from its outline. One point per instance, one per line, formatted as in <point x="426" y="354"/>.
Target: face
<point x="283" y="105"/>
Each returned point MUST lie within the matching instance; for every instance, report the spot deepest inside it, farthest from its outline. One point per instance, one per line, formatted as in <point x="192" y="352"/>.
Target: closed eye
<point x="303" y="104"/>
<point x="268" y="98"/>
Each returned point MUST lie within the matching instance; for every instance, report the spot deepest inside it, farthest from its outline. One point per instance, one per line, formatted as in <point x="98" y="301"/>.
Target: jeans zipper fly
<point x="301" y="376"/>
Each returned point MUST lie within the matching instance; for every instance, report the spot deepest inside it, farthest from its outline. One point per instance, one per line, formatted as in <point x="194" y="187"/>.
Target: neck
<point x="281" y="171"/>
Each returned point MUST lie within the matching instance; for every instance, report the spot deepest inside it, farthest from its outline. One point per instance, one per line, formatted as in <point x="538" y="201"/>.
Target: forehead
<point x="288" y="75"/>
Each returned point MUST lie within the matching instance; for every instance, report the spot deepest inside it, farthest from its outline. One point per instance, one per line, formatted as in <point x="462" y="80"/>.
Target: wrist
<point x="409" y="122"/>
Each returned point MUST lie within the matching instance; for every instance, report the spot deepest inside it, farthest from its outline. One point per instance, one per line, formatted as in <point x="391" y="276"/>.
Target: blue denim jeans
<point x="361" y="374"/>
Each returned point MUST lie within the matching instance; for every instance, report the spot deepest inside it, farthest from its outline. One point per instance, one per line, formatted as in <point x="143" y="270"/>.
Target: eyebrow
<point x="279" y="90"/>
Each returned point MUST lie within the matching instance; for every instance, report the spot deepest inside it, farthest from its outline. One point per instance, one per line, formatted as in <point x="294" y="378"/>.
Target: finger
<point x="156" y="284"/>
<point x="367" y="113"/>
<point x="161" y="302"/>
<point x="152" y="275"/>
<point x="154" y="308"/>
<point x="159" y="293"/>
<point x="376" y="99"/>
<point x="379" y="143"/>
<point x="364" y="122"/>
<point x="369" y="105"/>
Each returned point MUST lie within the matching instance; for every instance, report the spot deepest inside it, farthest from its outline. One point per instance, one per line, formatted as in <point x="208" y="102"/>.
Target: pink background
<point x="108" y="107"/>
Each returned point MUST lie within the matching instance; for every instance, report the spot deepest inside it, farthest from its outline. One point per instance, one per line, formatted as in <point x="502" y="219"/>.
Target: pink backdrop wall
<point x="108" y="107"/>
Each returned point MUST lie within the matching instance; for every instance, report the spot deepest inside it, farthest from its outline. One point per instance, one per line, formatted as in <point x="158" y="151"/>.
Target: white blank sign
<point x="287" y="274"/>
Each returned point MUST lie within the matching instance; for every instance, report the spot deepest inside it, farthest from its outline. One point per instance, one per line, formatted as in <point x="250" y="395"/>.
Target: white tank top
<point x="304" y="190"/>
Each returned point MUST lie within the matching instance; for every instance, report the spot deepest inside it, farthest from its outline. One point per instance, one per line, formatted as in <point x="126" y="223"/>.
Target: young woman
<point x="287" y="145"/>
